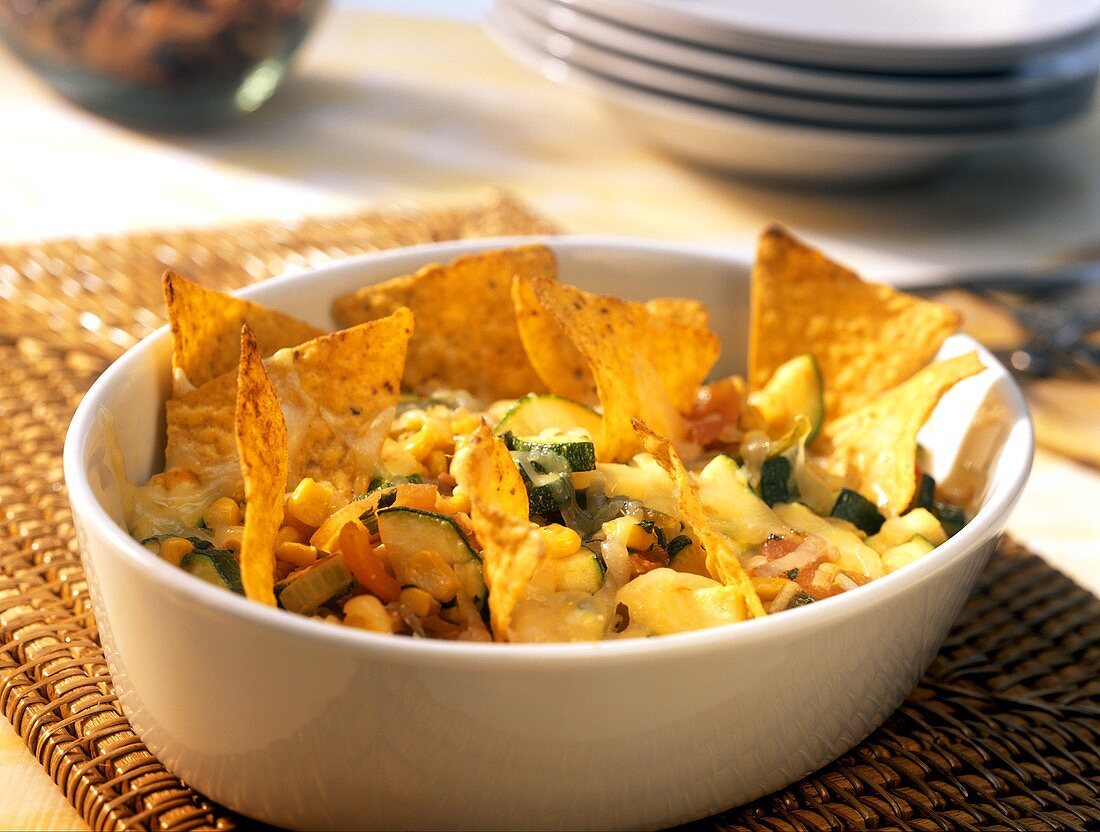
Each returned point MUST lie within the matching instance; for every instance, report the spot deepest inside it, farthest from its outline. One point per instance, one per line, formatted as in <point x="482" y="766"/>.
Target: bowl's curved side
<point x="311" y="725"/>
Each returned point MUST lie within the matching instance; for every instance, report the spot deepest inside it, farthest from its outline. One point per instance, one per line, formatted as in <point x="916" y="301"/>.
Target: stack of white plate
<point x="818" y="90"/>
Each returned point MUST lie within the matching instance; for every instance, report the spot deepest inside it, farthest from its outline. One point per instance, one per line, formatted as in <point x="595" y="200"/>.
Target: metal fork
<point x="1058" y="307"/>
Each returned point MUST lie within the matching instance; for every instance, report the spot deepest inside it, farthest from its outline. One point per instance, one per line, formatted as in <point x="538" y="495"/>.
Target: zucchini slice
<point x="406" y="531"/>
<point x="547" y="479"/>
<point x="581" y="572"/>
<point x="734" y="508"/>
<point x="905" y="553"/>
<point x="925" y="494"/>
<point x="857" y="510"/>
<point x="795" y="389"/>
<point x="575" y="448"/>
<point x="777" y="481"/>
<point x="215" y="566"/>
<point x="951" y="517"/>
<point x="898" y="530"/>
<point x="307" y="589"/>
<point x="536" y="412"/>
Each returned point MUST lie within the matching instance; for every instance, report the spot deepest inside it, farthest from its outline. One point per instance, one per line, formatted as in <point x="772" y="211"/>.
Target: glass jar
<point x="166" y="63"/>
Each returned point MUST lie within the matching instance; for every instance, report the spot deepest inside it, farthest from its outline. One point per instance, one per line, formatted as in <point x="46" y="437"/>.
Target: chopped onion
<point x="785" y="596"/>
<point x="845" y="583"/>
<point x="617" y="560"/>
<point x="811" y="549"/>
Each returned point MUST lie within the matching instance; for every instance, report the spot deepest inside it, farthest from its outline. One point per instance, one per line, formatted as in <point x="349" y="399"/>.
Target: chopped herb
<point x="801" y="599"/>
<point x="388" y="499"/>
<point x="792" y="574"/>
<point x="677" y="545"/>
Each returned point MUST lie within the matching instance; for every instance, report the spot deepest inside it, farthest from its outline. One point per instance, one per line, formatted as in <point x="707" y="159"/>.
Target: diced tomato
<point x="365" y="565"/>
<point x="416" y="495"/>
<point x="778" y="545"/>
<point x="642" y="562"/>
<point x="716" y="409"/>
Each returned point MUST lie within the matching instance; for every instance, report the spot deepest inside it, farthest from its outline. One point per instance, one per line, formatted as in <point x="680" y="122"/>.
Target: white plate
<point x="898" y="35"/>
<point x="762" y="148"/>
<point x="1025" y="80"/>
<point x="1054" y="105"/>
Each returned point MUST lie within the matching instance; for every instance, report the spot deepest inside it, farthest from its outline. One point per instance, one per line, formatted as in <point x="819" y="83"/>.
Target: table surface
<point x="389" y="107"/>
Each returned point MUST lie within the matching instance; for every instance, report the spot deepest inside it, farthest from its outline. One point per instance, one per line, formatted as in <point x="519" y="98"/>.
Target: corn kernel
<point x="417" y="600"/>
<point x="367" y="613"/>
<point x="290" y="534"/>
<point x="310" y="503"/>
<point x="222" y="512"/>
<point x="300" y="554"/>
<point x="459" y="501"/>
<point x="229" y="537"/>
<point x="630" y="533"/>
<point x="423" y="442"/>
<point x="429" y="571"/>
<point x="436" y="463"/>
<point x="561" y="541"/>
<point x="174" y="548"/>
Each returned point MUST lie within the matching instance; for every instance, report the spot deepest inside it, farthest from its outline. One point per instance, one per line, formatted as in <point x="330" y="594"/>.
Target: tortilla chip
<point x="511" y="550"/>
<point x="206" y="330"/>
<point x="874" y="448"/>
<point x="337" y="394"/>
<point x="484" y="468"/>
<point x="466" y="335"/>
<point x="262" y="446"/>
<point x="722" y="561"/>
<point x="685" y="310"/>
<point x="511" y="546"/>
<point x="644" y="364"/>
<point x="866" y="337"/>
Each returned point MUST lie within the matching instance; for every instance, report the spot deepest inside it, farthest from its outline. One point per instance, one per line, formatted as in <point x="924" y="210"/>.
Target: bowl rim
<point x="1003" y="494"/>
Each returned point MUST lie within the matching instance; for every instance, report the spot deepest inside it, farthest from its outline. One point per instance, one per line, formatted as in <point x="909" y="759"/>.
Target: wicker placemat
<point x="1002" y="734"/>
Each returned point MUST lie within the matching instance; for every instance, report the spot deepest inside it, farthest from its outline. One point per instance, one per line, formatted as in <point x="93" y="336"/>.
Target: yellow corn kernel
<point x="561" y="541"/>
<point x="436" y="463"/>
<point x="459" y="501"/>
<point x="310" y="503"/>
<point x="174" y="548"/>
<point x="423" y="442"/>
<point x="429" y="571"/>
<point x="768" y="588"/>
<point x="290" y="534"/>
<point x="300" y="554"/>
<point x="630" y="533"/>
<point x="367" y="613"/>
<point x="229" y="537"/>
<point x="419" y="601"/>
<point x="222" y="512"/>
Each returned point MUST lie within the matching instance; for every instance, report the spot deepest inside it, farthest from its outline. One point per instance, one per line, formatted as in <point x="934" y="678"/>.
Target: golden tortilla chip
<point x="485" y="470"/>
<point x="511" y="546"/>
<point x="262" y="446"/>
<point x="466" y="335"/>
<point x="645" y="365"/>
<point x="722" y="560"/>
<point x="866" y="337"/>
<point x="206" y="330"/>
<point x="685" y="310"/>
<point x="874" y="448"/>
<point x="337" y="394"/>
<point x="511" y="550"/>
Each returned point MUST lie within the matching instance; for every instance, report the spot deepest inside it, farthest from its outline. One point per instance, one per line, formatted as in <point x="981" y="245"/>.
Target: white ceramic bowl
<point x="311" y="725"/>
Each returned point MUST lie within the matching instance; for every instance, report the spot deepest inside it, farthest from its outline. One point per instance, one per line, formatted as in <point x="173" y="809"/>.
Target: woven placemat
<point x="1003" y="733"/>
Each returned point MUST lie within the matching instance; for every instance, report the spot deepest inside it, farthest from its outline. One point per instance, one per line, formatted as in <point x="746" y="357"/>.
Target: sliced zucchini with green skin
<point x="734" y="508"/>
<point x="925" y="494"/>
<point x="536" y="412"/>
<point x="683" y="556"/>
<point x="857" y="510"/>
<point x="898" y="530"/>
<point x="406" y="531"/>
<point x="854" y="555"/>
<point x="578" y="451"/>
<point x="777" y="481"/>
<point x="905" y="553"/>
<point x="951" y="517"/>
<point x="215" y="566"/>
<point x="582" y="572"/>
<point x="795" y="389"/>
<point x="309" y="588"/>
<point x="547" y="479"/>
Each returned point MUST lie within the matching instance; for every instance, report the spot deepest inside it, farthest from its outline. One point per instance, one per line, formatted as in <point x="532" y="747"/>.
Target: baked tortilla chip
<point x="645" y="365"/>
<point x="511" y="546"/>
<point x="337" y="392"/>
<point x="206" y="330"/>
<point x="722" y="560"/>
<point x="485" y="469"/>
<point x="466" y="335"/>
<point x="874" y="448"/>
<point x="262" y="446"/>
<point x="866" y="337"/>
